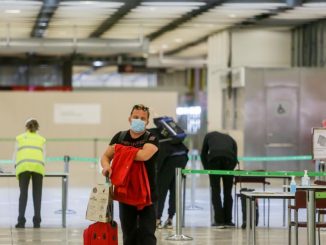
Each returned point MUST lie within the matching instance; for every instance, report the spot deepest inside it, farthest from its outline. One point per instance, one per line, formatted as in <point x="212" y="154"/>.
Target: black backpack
<point x="169" y="130"/>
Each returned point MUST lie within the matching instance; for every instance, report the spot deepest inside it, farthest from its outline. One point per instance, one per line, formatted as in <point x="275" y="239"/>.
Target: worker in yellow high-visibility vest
<point x="29" y="159"/>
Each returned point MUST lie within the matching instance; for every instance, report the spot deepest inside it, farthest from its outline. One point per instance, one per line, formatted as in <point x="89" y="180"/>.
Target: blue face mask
<point x="137" y="125"/>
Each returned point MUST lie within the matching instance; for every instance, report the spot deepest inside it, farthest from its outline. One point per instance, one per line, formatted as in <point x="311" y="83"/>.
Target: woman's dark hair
<point x="32" y="125"/>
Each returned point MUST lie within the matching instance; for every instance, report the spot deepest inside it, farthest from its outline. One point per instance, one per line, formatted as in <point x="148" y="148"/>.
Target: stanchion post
<point x="178" y="190"/>
<point x="95" y="147"/>
<point x="184" y="199"/>
<point x="193" y="205"/>
<point x="64" y="199"/>
<point x="66" y="160"/>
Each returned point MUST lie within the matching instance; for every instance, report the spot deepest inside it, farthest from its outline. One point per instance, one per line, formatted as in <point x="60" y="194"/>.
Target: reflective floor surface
<point x="197" y="220"/>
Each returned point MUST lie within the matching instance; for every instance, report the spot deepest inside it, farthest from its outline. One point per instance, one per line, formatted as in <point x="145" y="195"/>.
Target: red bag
<point x="101" y="234"/>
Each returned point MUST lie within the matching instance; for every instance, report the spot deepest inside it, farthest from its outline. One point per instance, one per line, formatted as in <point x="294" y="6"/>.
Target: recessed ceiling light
<point x="12" y="11"/>
<point x="178" y="40"/>
<point x="181" y="3"/>
<point x="98" y="63"/>
<point x="315" y="4"/>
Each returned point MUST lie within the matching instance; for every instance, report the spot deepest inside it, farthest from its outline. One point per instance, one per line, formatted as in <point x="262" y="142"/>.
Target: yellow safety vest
<point x="30" y="155"/>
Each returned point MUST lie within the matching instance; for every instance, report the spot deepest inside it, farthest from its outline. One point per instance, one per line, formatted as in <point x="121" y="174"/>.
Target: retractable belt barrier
<point x="61" y="159"/>
<point x="251" y="173"/>
<point x="178" y="236"/>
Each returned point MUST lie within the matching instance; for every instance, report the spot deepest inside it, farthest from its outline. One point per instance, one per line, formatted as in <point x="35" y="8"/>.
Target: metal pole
<point x="95" y="147"/>
<point x="193" y="205"/>
<point x="66" y="160"/>
<point x="284" y="208"/>
<point x="64" y="200"/>
<point x="184" y="199"/>
<point x="253" y="220"/>
<point x="311" y="229"/>
<point x="178" y="191"/>
<point x="248" y="222"/>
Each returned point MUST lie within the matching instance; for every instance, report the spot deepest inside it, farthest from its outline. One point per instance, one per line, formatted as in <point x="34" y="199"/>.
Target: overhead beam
<point x="183" y="19"/>
<point x="44" y="17"/>
<point x="112" y="20"/>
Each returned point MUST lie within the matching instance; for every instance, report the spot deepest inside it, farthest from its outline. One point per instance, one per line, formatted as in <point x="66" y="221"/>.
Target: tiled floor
<point x="197" y="221"/>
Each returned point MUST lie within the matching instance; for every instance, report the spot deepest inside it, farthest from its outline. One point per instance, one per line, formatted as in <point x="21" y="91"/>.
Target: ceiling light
<point x="315" y="4"/>
<point x="12" y="11"/>
<point x="232" y="15"/>
<point x="178" y="40"/>
<point x="152" y="8"/>
<point x="183" y="4"/>
<point x="253" y="5"/>
<point x="98" y="63"/>
<point x="152" y="51"/>
<point x="164" y="46"/>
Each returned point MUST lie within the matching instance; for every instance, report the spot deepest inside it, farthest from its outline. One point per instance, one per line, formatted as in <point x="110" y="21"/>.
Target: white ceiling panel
<point x="199" y="50"/>
<point x="17" y="18"/>
<point x="219" y="18"/>
<point x="148" y="18"/>
<point x="303" y="13"/>
<point x="79" y="18"/>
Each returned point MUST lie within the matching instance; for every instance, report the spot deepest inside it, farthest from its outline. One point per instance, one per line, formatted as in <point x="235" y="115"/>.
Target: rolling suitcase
<point x="101" y="233"/>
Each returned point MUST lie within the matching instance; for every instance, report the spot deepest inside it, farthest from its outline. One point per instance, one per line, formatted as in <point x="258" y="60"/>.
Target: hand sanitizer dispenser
<point x="293" y="185"/>
<point x="305" y="180"/>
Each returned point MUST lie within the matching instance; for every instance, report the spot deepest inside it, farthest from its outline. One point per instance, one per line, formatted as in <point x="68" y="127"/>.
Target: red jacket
<point x="129" y="177"/>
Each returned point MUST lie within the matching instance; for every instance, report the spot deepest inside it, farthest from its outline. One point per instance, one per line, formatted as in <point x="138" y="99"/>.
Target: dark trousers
<point x="223" y="212"/>
<point x="37" y="181"/>
<point x="138" y="226"/>
<point x="166" y="182"/>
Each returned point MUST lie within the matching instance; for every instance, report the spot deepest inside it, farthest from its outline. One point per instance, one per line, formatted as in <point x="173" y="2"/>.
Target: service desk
<point x="251" y="209"/>
<point x="64" y="177"/>
<point x="262" y="180"/>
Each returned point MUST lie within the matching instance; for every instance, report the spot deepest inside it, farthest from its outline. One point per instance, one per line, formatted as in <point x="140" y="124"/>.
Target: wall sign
<point x="77" y="113"/>
<point x="319" y="143"/>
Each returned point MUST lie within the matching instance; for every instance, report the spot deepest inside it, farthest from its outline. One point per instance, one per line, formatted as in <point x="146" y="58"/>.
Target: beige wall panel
<point x="16" y="107"/>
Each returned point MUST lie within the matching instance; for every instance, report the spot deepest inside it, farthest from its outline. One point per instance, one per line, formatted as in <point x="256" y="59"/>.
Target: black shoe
<point x="19" y="225"/>
<point x="229" y="225"/>
<point x="37" y="226"/>
<point x="168" y="224"/>
<point x="219" y="225"/>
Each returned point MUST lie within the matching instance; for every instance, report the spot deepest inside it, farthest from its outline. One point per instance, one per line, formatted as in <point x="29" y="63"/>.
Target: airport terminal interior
<point x="252" y="69"/>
